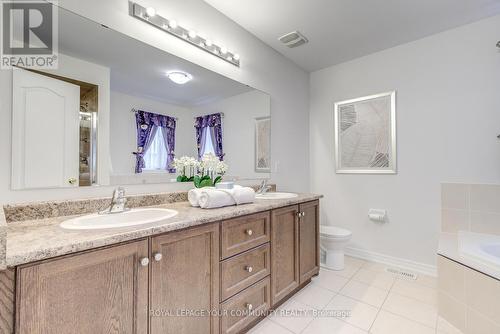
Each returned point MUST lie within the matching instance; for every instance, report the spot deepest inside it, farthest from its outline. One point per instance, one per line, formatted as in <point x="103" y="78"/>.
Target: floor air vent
<point x="401" y="273"/>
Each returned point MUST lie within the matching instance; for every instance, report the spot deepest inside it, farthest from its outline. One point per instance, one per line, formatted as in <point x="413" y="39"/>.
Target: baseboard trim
<point x="392" y="261"/>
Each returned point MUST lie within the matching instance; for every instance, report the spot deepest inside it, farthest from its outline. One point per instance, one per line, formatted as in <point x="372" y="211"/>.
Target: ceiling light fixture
<point x="150" y="11"/>
<point x="172" y="24"/>
<point x="150" y="16"/>
<point x="179" y="77"/>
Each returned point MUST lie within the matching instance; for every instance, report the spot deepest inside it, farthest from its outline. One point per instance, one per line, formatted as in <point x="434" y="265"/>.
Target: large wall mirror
<point x="118" y="111"/>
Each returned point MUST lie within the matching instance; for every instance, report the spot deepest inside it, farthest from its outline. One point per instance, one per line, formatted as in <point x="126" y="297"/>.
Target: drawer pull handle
<point x="158" y="257"/>
<point x="303" y="214"/>
<point x="144" y="262"/>
<point x="248" y="232"/>
<point x="249" y="269"/>
<point x="249" y="306"/>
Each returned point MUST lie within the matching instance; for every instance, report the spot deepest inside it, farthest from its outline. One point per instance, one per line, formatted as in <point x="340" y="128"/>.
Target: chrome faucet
<point x="264" y="187"/>
<point x="117" y="202"/>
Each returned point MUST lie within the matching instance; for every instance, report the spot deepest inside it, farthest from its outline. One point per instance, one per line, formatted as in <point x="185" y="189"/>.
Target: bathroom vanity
<point x="202" y="271"/>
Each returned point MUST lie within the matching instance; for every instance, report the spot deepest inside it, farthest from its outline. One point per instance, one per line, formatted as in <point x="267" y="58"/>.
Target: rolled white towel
<point x="243" y="195"/>
<point x="194" y="196"/>
<point x="217" y="198"/>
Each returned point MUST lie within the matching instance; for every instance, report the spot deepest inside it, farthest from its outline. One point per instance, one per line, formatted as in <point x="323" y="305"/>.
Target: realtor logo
<point x="29" y="34"/>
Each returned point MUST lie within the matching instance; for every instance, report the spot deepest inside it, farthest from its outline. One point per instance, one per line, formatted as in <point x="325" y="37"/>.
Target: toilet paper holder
<point x="377" y="215"/>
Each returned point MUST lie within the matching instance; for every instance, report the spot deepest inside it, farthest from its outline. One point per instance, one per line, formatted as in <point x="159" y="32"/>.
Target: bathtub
<point x="469" y="281"/>
<point x="484" y="248"/>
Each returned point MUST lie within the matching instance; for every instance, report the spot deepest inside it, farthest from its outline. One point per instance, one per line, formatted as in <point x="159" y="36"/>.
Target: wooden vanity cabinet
<point x="103" y="291"/>
<point x="294" y="248"/>
<point x="284" y="252"/>
<point x="185" y="277"/>
<point x="309" y="250"/>
<point x="177" y="282"/>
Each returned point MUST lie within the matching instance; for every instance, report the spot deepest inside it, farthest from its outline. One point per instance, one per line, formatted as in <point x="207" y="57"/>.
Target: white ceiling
<point x="341" y="30"/>
<point x="139" y="69"/>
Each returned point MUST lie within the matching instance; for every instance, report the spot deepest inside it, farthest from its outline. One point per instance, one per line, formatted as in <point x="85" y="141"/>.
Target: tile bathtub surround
<point x="378" y="302"/>
<point x="470" y="207"/>
<point x="53" y="209"/>
<point x="468" y="299"/>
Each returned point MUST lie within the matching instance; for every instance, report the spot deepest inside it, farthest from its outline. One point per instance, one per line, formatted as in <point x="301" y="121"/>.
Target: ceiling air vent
<point x="293" y="39"/>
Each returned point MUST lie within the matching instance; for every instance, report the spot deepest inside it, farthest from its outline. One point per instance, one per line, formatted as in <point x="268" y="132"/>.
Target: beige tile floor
<point x="379" y="303"/>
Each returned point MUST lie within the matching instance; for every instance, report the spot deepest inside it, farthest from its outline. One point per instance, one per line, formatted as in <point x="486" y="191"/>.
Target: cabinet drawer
<point x="236" y="314"/>
<point x="241" y="271"/>
<point x="241" y="234"/>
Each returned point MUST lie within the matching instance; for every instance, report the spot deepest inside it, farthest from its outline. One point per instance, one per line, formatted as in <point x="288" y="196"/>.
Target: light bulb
<point x="223" y="50"/>
<point x="192" y="34"/>
<point x="172" y="24"/>
<point x="150" y="11"/>
<point x="208" y="43"/>
<point x="236" y="56"/>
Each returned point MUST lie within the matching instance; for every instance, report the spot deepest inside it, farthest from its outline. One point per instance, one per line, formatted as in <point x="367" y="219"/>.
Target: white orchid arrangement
<point x="204" y="173"/>
<point x="187" y="167"/>
<point x="211" y="171"/>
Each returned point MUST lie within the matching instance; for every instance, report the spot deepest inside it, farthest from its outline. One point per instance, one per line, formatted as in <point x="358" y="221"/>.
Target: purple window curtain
<point x="169" y="139"/>
<point x="212" y="123"/>
<point x="147" y="124"/>
<point x="200" y="138"/>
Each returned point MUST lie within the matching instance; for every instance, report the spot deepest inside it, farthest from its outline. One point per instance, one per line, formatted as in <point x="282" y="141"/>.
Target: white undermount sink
<point x="128" y="218"/>
<point x="275" y="195"/>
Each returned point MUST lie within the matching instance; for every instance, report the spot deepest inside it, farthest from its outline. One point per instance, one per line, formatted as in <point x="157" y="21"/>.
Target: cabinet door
<point x="103" y="291"/>
<point x="284" y="252"/>
<point x="309" y="240"/>
<point x="185" y="279"/>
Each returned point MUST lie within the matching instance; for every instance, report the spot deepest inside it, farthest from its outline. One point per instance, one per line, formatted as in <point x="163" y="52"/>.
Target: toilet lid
<point x="333" y="231"/>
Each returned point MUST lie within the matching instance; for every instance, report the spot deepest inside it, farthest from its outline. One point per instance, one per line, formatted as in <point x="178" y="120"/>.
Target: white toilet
<point x="333" y="241"/>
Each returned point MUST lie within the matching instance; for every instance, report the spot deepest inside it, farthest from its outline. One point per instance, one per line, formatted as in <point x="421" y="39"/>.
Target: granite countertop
<point x="449" y="247"/>
<point x="35" y="240"/>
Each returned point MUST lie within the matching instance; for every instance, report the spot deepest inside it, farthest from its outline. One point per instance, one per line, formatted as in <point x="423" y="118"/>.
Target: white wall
<point x="448" y="117"/>
<point x="261" y="67"/>
<point x="123" y="133"/>
<point x="238" y="127"/>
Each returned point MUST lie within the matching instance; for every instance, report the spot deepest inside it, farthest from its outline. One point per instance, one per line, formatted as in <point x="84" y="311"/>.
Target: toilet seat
<point x="333" y="232"/>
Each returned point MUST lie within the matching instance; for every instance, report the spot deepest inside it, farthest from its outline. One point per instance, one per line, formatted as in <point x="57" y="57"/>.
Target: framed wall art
<point x="365" y="135"/>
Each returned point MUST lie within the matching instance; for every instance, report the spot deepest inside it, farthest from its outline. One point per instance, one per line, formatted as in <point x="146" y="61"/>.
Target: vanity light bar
<point x="150" y="16"/>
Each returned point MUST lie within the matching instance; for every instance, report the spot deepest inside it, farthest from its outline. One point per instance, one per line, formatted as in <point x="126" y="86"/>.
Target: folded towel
<point x="210" y="198"/>
<point x="194" y="196"/>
